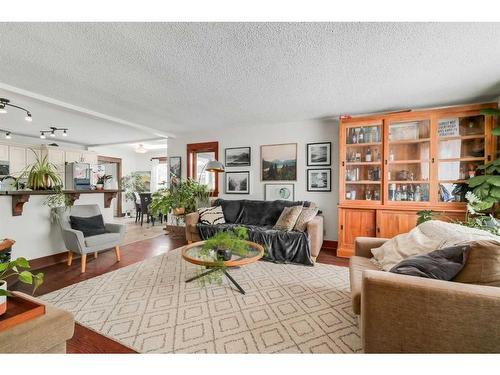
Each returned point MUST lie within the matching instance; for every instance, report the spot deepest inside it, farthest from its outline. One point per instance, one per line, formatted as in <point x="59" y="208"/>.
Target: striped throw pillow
<point x="211" y="215"/>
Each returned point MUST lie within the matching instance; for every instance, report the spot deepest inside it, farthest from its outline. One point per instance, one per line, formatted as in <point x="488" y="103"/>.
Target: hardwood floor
<point x="60" y="275"/>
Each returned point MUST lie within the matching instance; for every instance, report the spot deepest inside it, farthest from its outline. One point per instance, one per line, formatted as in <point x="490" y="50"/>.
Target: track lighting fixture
<point x="6" y="102"/>
<point x="52" y="132"/>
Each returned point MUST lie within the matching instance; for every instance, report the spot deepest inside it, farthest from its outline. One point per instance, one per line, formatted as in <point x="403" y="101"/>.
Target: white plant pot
<point x="99" y="186"/>
<point x="3" y="299"/>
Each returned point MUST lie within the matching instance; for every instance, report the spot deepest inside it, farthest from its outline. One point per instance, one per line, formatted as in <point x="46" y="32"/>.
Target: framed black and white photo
<point x="238" y="157"/>
<point x="238" y="182"/>
<point x="285" y="192"/>
<point x="319" y="179"/>
<point x="319" y="154"/>
<point x="174" y="165"/>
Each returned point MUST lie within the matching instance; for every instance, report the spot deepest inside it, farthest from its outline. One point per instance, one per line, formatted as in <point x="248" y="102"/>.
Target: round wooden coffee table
<point x="191" y="254"/>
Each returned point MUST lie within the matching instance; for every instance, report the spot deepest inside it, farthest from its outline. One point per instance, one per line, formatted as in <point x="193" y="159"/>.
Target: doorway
<point x="113" y="167"/>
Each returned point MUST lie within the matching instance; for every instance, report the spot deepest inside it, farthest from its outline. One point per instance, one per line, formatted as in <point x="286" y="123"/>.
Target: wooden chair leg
<point x="84" y="262"/>
<point x="117" y="252"/>
<point x="70" y="257"/>
<point x="95" y="255"/>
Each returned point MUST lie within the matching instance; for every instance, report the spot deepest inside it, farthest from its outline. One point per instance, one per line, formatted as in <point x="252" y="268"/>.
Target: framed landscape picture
<point x="319" y="154"/>
<point x="279" y="162"/>
<point x="174" y="164"/>
<point x="319" y="179"/>
<point x="238" y="182"/>
<point x="238" y="157"/>
<point x="285" y="192"/>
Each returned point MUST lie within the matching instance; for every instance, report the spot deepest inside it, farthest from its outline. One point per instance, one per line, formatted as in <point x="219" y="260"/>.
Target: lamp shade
<point x="214" y="166"/>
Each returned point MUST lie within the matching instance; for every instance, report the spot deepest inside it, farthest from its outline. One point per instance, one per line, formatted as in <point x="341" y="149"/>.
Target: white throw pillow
<point x="426" y="237"/>
<point x="211" y="215"/>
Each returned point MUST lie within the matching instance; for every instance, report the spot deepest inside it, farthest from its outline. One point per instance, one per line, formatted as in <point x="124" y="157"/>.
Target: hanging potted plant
<point x="15" y="268"/>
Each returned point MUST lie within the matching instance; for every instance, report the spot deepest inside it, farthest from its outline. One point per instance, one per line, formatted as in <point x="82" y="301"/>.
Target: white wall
<point x="33" y="231"/>
<point x="255" y="136"/>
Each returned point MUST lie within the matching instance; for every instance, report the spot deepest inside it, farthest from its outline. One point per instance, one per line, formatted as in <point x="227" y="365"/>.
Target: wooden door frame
<point x="192" y="148"/>
<point x="118" y="162"/>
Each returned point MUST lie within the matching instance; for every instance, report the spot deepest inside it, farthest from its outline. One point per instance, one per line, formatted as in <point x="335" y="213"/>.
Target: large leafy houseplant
<point x="486" y="185"/>
<point x="41" y="175"/>
<point x="180" y="196"/>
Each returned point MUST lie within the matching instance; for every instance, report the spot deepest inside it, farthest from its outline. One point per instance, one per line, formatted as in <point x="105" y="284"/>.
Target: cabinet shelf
<point x="409" y="141"/>
<point x="415" y="161"/>
<point x="409" y="182"/>
<point x="462" y="137"/>
<point x="363" y="163"/>
<point x="363" y="182"/>
<point x="482" y="158"/>
<point x="364" y="144"/>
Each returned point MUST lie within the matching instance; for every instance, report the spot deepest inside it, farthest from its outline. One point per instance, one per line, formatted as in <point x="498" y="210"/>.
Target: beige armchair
<point x="407" y="314"/>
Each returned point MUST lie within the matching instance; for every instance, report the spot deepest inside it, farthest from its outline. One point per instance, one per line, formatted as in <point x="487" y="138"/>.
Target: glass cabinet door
<point x="363" y="162"/>
<point x="408" y="161"/>
<point x="461" y="149"/>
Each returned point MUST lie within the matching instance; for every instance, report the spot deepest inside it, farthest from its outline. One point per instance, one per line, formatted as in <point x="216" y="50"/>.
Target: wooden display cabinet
<point x="393" y="165"/>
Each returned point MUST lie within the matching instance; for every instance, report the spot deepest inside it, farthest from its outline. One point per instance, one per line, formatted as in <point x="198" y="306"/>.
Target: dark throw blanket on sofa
<point x="259" y="217"/>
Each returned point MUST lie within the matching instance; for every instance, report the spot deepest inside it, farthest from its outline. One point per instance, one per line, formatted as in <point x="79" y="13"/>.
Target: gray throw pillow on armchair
<point x="442" y="264"/>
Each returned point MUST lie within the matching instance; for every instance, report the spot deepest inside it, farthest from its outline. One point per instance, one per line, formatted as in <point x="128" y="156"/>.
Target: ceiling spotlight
<point x="2" y="108"/>
<point x="65" y="133"/>
<point x="8" y="135"/>
<point x="141" y="149"/>
<point x="53" y="133"/>
<point x="42" y="135"/>
<point x="28" y="117"/>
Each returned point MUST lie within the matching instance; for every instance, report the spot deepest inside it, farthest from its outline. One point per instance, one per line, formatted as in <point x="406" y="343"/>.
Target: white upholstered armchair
<point x="76" y="242"/>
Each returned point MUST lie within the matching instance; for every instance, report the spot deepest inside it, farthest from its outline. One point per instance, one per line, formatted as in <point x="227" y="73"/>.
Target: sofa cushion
<point x="483" y="264"/>
<point x="263" y="213"/>
<point x="230" y="208"/>
<point x="211" y="215"/>
<point x="356" y="267"/>
<point x="305" y="217"/>
<point x="288" y="218"/>
<point x="89" y="226"/>
<point x="442" y="264"/>
<point x="102" y="239"/>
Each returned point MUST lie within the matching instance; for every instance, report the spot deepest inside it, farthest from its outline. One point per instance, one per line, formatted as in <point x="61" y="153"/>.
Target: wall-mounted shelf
<point x="20" y="197"/>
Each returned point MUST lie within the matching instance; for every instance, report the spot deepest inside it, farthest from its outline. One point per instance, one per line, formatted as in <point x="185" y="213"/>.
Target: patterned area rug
<point x="148" y="307"/>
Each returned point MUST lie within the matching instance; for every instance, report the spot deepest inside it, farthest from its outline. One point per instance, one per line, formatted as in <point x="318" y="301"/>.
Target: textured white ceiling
<point x="181" y="77"/>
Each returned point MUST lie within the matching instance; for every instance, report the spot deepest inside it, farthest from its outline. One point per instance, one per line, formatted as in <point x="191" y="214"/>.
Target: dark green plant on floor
<point x="19" y="268"/>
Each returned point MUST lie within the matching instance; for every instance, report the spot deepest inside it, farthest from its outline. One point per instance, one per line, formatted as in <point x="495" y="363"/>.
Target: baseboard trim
<point x="50" y="260"/>
<point x="329" y="245"/>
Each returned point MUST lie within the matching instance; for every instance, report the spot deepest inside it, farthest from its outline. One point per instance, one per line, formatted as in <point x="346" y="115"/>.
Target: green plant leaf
<point x="495" y="192"/>
<point x="3" y="266"/>
<point x="22" y="262"/>
<point x="490" y="112"/>
<point x="476" y="181"/>
<point x="482" y="191"/>
<point x="26" y="277"/>
<point x="4" y="293"/>
<point x="38" y="279"/>
<point x="494" y="180"/>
